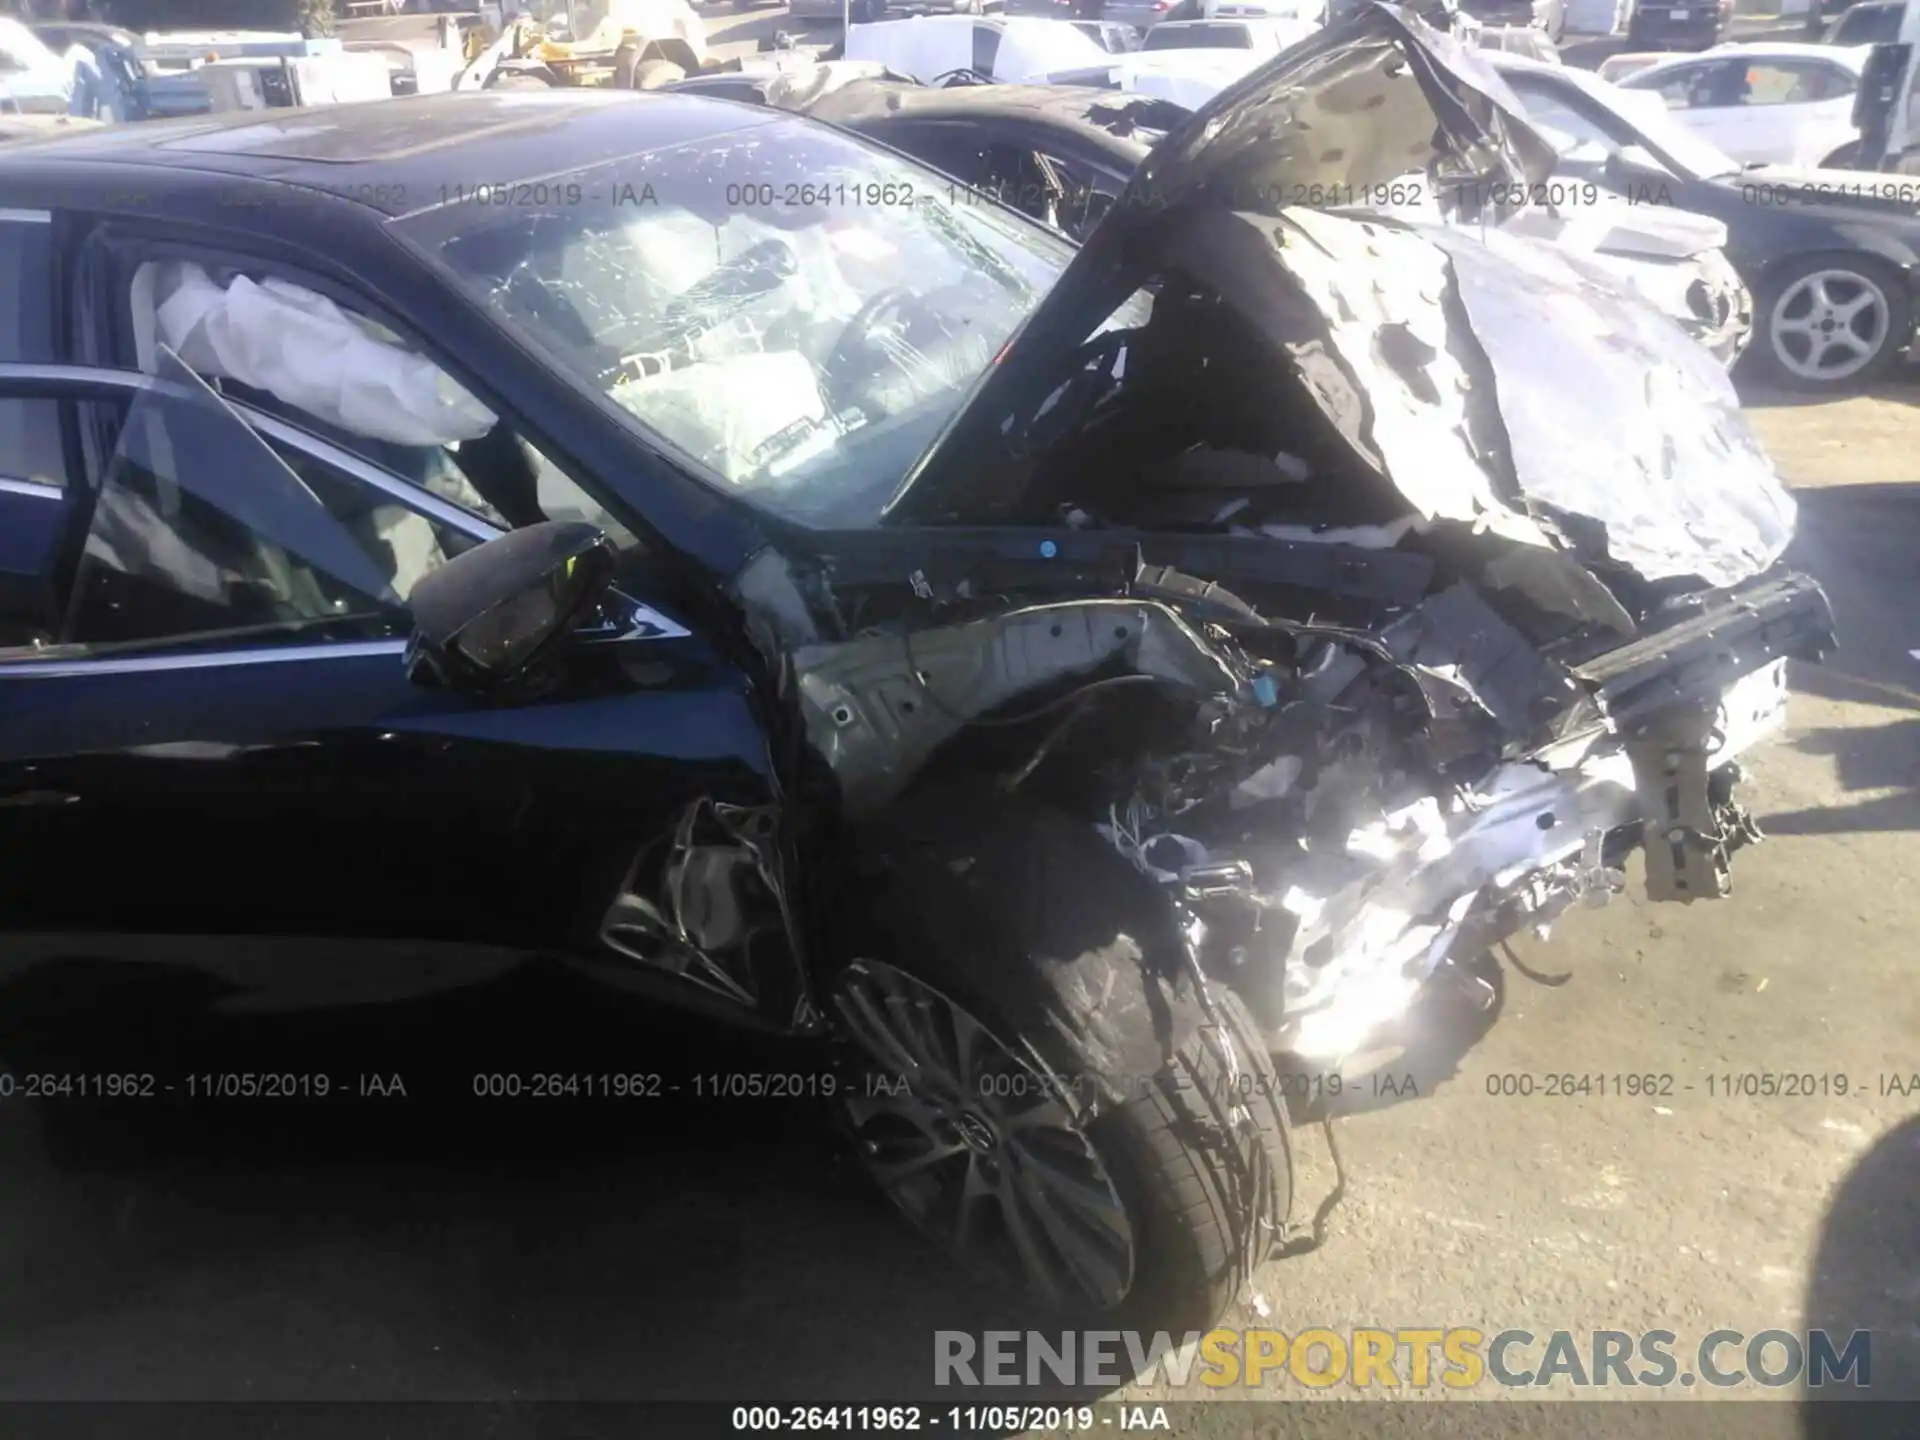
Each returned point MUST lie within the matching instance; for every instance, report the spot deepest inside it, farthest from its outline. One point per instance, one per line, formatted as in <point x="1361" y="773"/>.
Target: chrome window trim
<point x="199" y="660"/>
<point x="31" y="488"/>
<point x="25" y="217"/>
<point x="405" y="492"/>
<point x="414" y="497"/>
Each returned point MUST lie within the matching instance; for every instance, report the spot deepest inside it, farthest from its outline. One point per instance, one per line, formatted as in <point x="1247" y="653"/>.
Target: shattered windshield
<point x="794" y="312"/>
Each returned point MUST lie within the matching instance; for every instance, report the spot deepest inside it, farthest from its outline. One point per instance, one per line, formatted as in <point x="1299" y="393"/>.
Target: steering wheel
<point x="856" y="336"/>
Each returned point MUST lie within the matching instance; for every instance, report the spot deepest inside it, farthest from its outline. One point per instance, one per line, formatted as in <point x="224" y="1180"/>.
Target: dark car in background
<point x="1061" y="154"/>
<point x="1547" y="16"/>
<point x="1676" y="24"/>
<point x="1872" y="22"/>
<point x="1834" y="268"/>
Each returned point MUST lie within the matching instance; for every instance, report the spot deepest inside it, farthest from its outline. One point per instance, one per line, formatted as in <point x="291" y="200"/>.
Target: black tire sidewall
<point x="981" y="954"/>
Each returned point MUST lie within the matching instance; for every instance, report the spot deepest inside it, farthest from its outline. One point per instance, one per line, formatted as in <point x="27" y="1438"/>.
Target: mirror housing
<point x="488" y="619"/>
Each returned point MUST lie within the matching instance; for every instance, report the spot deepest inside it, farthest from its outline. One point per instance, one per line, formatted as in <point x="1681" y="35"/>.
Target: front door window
<point x="201" y="532"/>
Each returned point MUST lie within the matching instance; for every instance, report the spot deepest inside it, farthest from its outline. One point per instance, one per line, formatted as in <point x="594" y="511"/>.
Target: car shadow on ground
<point x="1900" y="384"/>
<point x="1866" y="1276"/>
<point x="439" y="1244"/>
<point x="1858" y="541"/>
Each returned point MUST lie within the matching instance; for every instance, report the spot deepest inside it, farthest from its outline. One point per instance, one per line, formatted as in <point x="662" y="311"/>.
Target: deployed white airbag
<point x="307" y="352"/>
<point x="724" y="410"/>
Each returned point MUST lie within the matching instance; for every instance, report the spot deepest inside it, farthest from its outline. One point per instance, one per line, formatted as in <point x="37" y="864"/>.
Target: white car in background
<point x="1189" y="78"/>
<point x="1009" y="50"/>
<point x="1312" y="10"/>
<point x="1262" y="37"/>
<point x="1673" y="258"/>
<point x="1616" y="68"/>
<point x="1771" y="104"/>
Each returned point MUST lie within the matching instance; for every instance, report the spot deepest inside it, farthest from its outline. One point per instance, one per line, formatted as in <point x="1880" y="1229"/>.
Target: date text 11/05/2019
<point x="201" y="1085"/>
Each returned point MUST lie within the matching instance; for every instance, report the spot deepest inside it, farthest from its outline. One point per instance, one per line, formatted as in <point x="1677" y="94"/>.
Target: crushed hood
<point x="1491" y="380"/>
<point x="1359" y="103"/>
<point x="1609" y="224"/>
<point x="1617" y="417"/>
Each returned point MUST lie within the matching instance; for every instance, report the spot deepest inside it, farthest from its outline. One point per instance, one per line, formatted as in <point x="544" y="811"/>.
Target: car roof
<point x="1105" y="117"/>
<point x="1849" y="57"/>
<point x="396" y="155"/>
<point x="1777" y="50"/>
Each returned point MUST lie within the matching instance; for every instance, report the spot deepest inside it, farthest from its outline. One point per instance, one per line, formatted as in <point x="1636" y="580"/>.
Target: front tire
<point x="1831" y="322"/>
<point x="1034" y="1079"/>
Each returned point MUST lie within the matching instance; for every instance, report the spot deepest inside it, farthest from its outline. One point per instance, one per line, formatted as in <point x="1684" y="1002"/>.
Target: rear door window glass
<point x="26" y="287"/>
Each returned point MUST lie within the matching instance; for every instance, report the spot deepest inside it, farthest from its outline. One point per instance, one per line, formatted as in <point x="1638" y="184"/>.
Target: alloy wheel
<point x="980" y="1147"/>
<point x="1829" y="325"/>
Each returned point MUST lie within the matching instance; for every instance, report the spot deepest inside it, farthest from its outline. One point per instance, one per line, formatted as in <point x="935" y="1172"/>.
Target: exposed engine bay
<point x="1310" y="640"/>
<point x="1334" y="811"/>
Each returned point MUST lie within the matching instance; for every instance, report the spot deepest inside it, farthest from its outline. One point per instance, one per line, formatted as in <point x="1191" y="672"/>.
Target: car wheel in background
<point x="1031" y="1075"/>
<point x="1831" y="322"/>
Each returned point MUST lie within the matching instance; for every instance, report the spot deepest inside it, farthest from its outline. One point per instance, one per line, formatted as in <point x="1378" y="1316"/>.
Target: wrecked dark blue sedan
<point x="701" y="543"/>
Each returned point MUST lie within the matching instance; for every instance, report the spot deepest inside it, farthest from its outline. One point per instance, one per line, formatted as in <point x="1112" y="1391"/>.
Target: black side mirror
<point x="488" y="619"/>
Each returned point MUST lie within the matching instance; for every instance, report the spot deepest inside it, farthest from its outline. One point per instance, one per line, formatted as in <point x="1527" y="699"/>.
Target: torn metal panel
<point x="1366" y="100"/>
<point x="1558" y="584"/>
<point x="1691" y="664"/>
<point x="1692" y="823"/>
<point x="1358" y="306"/>
<point x="876" y="708"/>
<point x="708" y="903"/>
<point x="1457" y="636"/>
<point x="1622" y="418"/>
<point x="970" y="561"/>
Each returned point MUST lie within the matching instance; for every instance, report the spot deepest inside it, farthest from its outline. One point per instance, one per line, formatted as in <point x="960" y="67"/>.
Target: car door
<point x="220" y="739"/>
<point x="1700" y="96"/>
<point x="1784" y="111"/>
<point x="32" y="480"/>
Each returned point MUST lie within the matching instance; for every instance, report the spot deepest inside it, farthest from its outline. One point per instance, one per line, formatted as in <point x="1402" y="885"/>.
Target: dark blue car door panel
<point x="269" y="768"/>
<point x="319" y="791"/>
